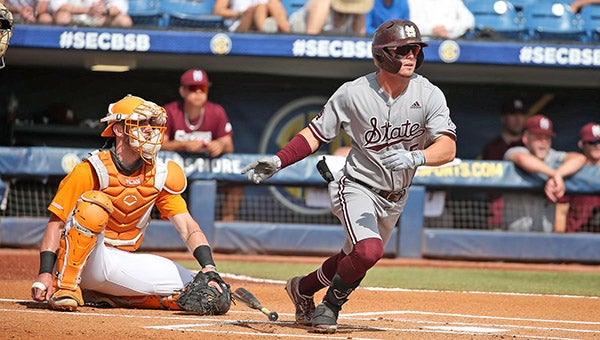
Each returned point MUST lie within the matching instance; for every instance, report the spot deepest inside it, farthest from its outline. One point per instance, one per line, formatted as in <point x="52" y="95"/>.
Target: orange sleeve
<point x="80" y="180"/>
<point x="169" y="202"/>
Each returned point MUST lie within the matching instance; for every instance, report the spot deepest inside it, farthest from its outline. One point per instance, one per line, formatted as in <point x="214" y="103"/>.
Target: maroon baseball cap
<point x="590" y="132"/>
<point x="539" y="124"/>
<point x="194" y="77"/>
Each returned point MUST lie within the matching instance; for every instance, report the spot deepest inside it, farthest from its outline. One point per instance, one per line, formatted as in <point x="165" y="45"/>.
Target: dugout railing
<point x="446" y="215"/>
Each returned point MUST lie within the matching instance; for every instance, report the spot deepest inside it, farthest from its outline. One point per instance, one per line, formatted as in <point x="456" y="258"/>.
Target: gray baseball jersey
<point x="524" y="211"/>
<point x="376" y="122"/>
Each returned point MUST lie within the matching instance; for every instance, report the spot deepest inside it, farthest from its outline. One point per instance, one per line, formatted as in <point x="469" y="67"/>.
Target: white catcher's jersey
<point x="376" y="123"/>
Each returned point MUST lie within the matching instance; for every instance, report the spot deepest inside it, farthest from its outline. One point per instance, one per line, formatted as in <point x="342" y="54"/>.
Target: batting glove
<point x="262" y="169"/>
<point x="396" y="160"/>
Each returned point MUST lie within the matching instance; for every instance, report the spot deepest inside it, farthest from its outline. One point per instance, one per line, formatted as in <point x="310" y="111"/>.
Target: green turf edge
<point x="446" y="279"/>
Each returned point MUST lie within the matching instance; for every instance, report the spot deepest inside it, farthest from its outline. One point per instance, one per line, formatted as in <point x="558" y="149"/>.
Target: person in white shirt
<point x="441" y="19"/>
<point x="91" y="12"/>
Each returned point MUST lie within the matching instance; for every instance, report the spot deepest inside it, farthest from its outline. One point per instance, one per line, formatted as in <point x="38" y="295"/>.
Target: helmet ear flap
<point x="420" y="58"/>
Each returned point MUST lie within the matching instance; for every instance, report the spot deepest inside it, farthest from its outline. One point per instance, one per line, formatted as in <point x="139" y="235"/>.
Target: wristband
<point x="420" y="157"/>
<point x="297" y="149"/>
<point x="47" y="261"/>
<point x="203" y="255"/>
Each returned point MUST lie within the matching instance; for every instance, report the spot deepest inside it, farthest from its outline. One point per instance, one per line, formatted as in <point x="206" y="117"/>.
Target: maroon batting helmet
<point x="395" y="33"/>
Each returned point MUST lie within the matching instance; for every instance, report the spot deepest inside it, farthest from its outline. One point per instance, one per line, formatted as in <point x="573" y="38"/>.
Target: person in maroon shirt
<point x="512" y="120"/>
<point x="198" y="126"/>
<point x="582" y="212"/>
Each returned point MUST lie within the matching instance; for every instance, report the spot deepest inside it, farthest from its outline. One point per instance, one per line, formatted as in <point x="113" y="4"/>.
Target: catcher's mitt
<point x="198" y="297"/>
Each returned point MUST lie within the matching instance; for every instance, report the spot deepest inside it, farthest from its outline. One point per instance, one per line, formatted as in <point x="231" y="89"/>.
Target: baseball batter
<point x="397" y="121"/>
<point x="100" y="214"/>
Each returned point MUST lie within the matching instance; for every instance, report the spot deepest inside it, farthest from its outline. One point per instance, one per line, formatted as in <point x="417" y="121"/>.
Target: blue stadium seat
<point x="146" y="12"/>
<point x="590" y="16"/>
<point x="552" y="20"/>
<point x="519" y="4"/>
<point x="292" y="6"/>
<point x="496" y="18"/>
<point x="192" y="14"/>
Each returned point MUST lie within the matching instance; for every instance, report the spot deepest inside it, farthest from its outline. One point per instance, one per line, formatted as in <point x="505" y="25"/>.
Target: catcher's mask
<point x="144" y="123"/>
<point x="6" y="26"/>
<point x="393" y="40"/>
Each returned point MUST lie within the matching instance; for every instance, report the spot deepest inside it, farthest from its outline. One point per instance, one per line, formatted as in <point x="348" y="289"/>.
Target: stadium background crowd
<point x="472" y="104"/>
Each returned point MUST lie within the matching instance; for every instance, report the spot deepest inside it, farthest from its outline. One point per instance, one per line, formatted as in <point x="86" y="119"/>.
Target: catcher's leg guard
<point x="141" y="301"/>
<point x="89" y="218"/>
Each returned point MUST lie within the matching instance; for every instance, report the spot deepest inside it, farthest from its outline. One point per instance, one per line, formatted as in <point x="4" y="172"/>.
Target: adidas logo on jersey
<point x="415" y="105"/>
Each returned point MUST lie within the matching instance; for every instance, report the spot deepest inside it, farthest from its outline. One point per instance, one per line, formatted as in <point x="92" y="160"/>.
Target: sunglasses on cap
<point x="592" y="142"/>
<point x="399" y="52"/>
<point x="196" y="88"/>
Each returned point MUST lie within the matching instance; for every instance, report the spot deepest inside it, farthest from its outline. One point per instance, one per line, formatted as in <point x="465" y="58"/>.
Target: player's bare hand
<point x="396" y="160"/>
<point x="215" y="148"/>
<point x="41" y="289"/>
<point x="213" y="283"/>
<point x="262" y="169"/>
<point x="555" y="188"/>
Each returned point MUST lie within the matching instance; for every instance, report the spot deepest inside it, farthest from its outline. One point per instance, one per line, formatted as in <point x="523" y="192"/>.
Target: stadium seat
<point x="496" y="18"/>
<point x="590" y="16"/>
<point x="552" y="20"/>
<point x="519" y="4"/>
<point x="192" y="14"/>
<point x="292" y="6"/>
<point x="146" y="12"/>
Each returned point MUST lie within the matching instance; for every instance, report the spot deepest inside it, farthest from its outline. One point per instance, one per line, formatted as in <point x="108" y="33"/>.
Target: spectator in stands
<point x="198" y="126"/>
<point x="441" y="19"/>
<point x="512" y="121"/>
<point x="530" y="211"/>
<point x="577" y="4"/>
<point x="582" y="212"/>
<point x="91" y="13"/>
<point x="384" y="10"/>
<point x="30" y="11"/>
<point x="253" y="15"/>
<point x="335" y="16"/>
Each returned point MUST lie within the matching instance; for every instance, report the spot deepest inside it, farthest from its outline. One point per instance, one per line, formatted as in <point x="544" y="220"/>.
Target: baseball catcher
<point x="99" y="217"/>
<point x="6" y="26"/>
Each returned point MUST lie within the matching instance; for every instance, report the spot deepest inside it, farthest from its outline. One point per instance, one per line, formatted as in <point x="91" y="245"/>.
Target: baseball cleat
<point x="63" y="303"/>
<point x="305" y="305"/>
<point x="325" y="318"/>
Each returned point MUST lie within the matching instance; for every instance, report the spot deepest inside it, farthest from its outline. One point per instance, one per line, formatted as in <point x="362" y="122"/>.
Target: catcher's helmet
<point x="144" y="123"/>
<point x="395" y="33"/>
<point x="6" y="26"/>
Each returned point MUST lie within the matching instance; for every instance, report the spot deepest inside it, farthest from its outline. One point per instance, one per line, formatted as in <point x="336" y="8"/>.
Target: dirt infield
<point x="370" y="314"/>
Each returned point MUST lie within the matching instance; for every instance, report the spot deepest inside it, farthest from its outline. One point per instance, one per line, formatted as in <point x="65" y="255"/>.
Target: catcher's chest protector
<point x="133" y="198"/>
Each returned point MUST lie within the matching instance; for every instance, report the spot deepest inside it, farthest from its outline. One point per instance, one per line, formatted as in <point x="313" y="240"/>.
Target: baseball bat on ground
<point x="247" y="298"/>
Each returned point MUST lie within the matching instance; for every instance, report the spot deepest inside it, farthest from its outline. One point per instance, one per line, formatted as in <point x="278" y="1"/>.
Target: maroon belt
<point x="392" y="196"/>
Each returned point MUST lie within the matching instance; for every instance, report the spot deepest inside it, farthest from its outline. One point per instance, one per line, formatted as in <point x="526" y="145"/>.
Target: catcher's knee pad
<point x="89" y="218"/>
